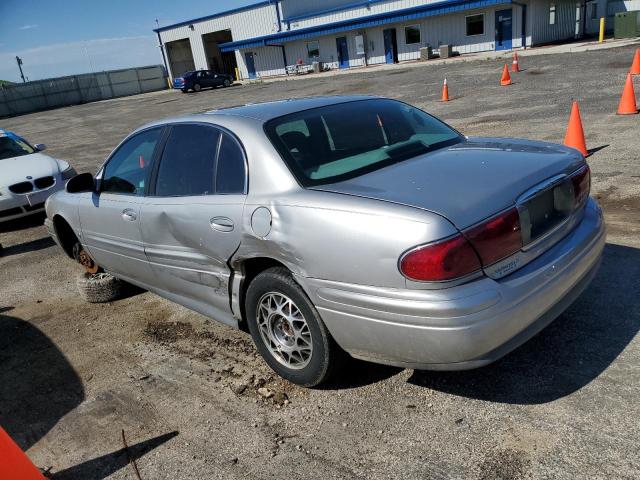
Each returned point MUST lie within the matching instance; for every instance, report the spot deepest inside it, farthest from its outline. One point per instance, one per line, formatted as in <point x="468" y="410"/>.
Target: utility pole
<point x="19" y="60"/>
<point x="164" y="59"/>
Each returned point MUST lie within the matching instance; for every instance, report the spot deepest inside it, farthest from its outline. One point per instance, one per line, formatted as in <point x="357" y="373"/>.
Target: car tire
<point x="100" y="287"/>
<point x="197" y="87"/>
<point x="308" y="367"/>
<point x="226" y="83"/>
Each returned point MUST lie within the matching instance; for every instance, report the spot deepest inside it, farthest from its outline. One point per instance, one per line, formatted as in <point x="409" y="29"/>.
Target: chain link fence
<point x="21" y="98"/>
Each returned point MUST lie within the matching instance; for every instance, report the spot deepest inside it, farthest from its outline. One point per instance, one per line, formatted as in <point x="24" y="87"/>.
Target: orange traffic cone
<point x="506" y="78"/>
<point x="627" y="104"/>
<point x="575" y="134"/>
<point x="445" y="91"/>
<point x="14" y="463"/>
<point x="635" y="65"/>
<point x="514" y="65"/>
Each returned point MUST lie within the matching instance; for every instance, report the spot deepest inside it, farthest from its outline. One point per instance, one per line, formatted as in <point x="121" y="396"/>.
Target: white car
<point x="27" y="176"/>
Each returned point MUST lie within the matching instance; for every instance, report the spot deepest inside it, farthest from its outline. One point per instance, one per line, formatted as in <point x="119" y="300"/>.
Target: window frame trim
<point x="156" y="166"/>
<point x="553" y="9"/>
<point x="308" y="53"/>
<point x="154" y="157"/>
<point x="419" y="27"/>
<point x="483" y="24"/>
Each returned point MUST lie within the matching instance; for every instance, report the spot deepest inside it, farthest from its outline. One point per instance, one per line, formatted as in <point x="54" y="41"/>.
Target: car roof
<point x="256" y="114"/>
<point x="269" y="110"/>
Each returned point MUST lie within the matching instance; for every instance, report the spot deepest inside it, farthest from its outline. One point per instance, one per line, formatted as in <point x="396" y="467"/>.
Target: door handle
<point x="128" y="214"/>
<point x="222" y="224"/>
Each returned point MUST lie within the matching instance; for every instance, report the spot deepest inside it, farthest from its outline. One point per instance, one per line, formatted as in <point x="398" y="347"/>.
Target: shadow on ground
<point x="31" y="246"/>
<point x="31" y="221"/>
<point x="104" y="466"/>
<point x="360" y="373"/>
<point x="38" y="384"/>
<point x="576" y="348"/>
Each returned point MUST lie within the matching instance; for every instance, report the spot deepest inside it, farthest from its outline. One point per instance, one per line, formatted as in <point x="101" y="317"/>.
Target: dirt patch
<point x="397" y="72"/>
<point x="507" y="464"/>
<point x="167" y="333"/>
<point x="534" y="71"/>
<point x="208" y="341"/>
<point x="618" y="64"/>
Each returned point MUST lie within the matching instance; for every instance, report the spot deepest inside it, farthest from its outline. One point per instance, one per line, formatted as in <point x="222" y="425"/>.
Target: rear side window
<point x="128" y="168"/>
<point x="231" y="173"/>
<point x="188" y="162"/>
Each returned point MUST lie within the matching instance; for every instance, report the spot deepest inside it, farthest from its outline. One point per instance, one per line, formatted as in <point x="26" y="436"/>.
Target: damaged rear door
<point x="192" y="219"/>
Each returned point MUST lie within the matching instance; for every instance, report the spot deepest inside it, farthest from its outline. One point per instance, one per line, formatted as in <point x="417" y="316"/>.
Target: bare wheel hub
<point x="284" y="330"/>
<point x="85" y="259"/>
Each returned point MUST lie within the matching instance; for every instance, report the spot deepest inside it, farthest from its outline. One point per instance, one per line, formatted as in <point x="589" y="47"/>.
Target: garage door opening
<point x="221" y="62"/>
<point x="180" y="57"/>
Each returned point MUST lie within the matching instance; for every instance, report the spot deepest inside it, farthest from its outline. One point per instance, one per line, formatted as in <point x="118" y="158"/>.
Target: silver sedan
<point x="342" y="224"/>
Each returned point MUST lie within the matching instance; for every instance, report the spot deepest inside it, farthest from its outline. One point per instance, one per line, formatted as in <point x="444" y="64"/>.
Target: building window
<point x="594" y="10"/>
<point x="313" y="49"/>
<point x="475" y="25"/>
<point x="412" y="34"/>
<point x="552" y="14"/>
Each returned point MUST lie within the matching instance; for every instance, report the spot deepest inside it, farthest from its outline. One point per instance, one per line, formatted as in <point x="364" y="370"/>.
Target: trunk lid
<point x="466" y="182"/>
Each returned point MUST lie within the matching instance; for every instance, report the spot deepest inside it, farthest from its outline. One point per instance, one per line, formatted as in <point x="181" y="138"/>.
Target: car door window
<point x="231" y="169"/>
<point x="188" y="162"/>
<point x="128" y="168"/>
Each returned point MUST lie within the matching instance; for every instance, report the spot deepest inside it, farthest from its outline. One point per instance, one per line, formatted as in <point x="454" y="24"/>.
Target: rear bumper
<point x="466" y="326"/>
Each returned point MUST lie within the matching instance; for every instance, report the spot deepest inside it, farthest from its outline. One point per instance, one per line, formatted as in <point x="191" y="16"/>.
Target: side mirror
<point x="81" y="183"/>
<point x="41" y="147"/>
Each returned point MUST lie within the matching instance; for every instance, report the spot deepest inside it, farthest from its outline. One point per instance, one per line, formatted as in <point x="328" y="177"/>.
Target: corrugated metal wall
<point x="246" y="24"/>
<point x="542" y="31"/>
<point x="435" y="31"/>
<point x="30" y="97"/>
<point x="607" y="9"/>
<point x="361" y="11"/>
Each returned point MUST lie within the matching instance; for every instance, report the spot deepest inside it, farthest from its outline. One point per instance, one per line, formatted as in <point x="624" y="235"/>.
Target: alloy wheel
<point x="284" y="330"/>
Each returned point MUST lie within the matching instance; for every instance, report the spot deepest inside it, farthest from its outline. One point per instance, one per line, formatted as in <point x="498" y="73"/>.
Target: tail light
<point x="497" y="238"/>
<point x="440" y="261"/>
<point x="465" y="253"/>
<point x="581" y="181"/>
<point x="482" y="245"/>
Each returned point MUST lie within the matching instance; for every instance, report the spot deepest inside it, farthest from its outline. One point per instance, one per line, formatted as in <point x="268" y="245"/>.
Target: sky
<point x="65" y="37"/>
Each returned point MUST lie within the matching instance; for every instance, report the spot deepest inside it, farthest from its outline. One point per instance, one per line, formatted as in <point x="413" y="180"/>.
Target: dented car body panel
<point x="342" y="241"/>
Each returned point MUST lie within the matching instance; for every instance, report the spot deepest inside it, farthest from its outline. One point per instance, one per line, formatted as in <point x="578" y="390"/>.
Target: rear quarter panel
<point x="340" y="237"/>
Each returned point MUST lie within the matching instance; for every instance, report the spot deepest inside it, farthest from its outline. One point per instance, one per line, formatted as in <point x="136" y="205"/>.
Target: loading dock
<point x="223" y="62"/>
<point x="180" y="56"/>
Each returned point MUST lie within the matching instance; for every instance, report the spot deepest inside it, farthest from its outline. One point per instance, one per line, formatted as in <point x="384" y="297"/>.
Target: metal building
<point x="262" y="39"/>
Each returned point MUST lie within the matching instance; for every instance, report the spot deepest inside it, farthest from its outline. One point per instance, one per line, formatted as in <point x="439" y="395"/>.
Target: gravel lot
<point x="185" y="389"/>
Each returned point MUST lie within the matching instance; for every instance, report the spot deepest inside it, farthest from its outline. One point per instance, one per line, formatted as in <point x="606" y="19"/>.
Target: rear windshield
<point x="337" y="142"/>
<point x="13" y="146"/>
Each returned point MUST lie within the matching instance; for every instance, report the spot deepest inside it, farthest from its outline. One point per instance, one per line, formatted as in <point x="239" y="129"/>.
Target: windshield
<point x="13" y="146"/>
<point x="337" y="142"/>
